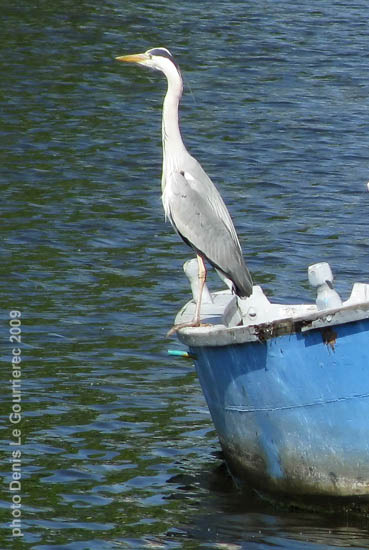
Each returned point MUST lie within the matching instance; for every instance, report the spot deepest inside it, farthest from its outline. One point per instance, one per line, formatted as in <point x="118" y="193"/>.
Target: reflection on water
<point x="118" y="450"/>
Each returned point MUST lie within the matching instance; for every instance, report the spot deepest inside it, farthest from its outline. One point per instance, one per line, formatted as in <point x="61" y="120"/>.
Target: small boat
<point x="287" y="386"/>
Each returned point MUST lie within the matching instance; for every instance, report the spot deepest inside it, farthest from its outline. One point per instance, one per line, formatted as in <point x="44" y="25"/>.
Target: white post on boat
<point x="321" y="277"/>
<point x="191" y="270"/>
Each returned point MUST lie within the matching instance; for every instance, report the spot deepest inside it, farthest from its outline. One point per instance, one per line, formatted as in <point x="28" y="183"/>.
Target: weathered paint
<point x="292" y="412"/>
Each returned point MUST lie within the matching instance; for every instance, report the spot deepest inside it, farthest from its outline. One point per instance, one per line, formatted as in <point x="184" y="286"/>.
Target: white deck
<point x="228" y="319"/>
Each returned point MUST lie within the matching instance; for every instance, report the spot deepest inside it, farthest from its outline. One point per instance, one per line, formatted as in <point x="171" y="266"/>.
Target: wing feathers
<point x="198" y="213"/>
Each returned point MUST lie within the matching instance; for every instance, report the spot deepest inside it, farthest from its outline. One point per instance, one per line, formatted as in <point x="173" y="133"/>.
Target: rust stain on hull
<point x="329" y="337"/>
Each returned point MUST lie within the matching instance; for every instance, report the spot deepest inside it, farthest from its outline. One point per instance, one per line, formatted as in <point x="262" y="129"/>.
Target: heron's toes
<point x="191" y="324"/>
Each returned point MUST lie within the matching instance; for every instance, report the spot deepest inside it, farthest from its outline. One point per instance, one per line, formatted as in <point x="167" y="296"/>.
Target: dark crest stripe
<point x="163" y="53"/>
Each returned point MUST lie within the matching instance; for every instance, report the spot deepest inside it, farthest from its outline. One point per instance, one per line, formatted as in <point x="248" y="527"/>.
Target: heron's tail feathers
<point x="239" y="281"/>
<point x="243" y="284"/>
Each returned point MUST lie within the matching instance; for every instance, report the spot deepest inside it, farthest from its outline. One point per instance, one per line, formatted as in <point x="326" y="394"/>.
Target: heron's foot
<point x="194" y="323"/>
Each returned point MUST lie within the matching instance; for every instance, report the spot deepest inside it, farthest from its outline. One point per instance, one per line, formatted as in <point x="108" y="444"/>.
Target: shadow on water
<point x="233" y="518"/>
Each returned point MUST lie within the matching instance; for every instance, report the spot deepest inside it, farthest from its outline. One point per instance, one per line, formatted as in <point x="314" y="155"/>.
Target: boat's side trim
<point x="320" y="402"/>
<point x="219" y="335"/>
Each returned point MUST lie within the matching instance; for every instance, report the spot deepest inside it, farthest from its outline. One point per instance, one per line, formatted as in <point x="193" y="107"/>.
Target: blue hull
<point x="292" y="412"/>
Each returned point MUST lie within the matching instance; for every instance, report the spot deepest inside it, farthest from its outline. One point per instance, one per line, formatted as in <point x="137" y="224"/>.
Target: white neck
<point x="173" y="145"/>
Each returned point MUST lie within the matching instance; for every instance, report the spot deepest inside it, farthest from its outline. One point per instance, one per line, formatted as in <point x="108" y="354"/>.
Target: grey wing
<point x="199" y="215"/>
<point x="200" y="181"/>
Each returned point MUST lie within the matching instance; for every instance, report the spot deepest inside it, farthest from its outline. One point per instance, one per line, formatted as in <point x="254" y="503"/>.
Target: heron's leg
<point x="202" y="278"/>
<point x="196" y="319"/>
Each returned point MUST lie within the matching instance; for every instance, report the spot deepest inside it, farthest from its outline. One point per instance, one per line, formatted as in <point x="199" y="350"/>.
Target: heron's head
<point x="159" y="59"/>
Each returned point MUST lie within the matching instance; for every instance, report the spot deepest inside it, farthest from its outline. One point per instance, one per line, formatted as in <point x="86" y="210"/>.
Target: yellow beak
<point x="135" y="58"/>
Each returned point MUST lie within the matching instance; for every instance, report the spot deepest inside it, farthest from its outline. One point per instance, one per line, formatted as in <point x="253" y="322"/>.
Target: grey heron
<point x="191" y="201"/>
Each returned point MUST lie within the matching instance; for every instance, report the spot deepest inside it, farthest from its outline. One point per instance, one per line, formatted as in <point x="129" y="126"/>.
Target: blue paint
<point x="293" y="413"/>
